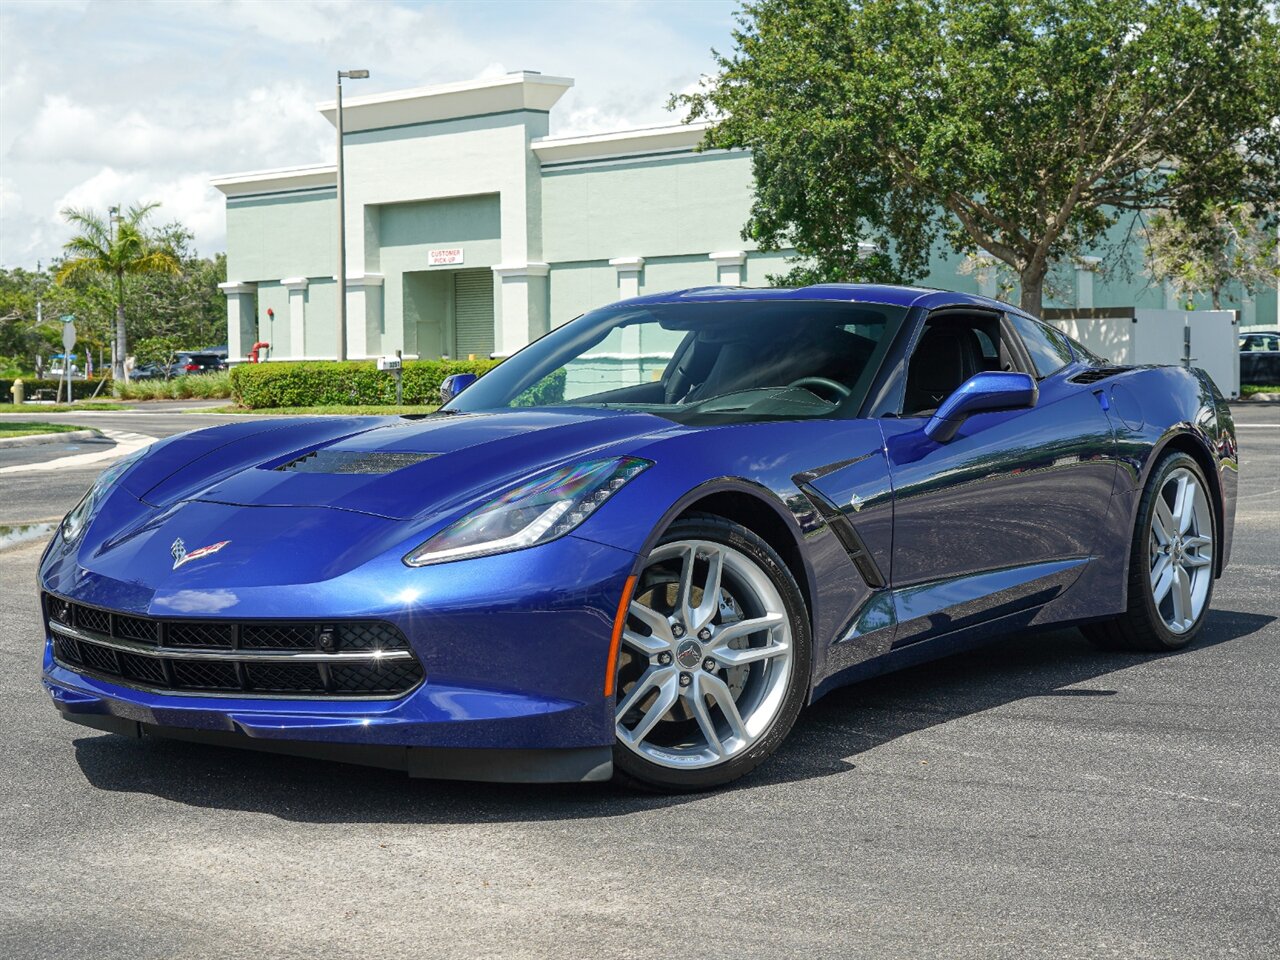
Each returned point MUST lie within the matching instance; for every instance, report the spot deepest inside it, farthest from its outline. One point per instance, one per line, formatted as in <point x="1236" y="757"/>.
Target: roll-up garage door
<point x="473" y="313"/>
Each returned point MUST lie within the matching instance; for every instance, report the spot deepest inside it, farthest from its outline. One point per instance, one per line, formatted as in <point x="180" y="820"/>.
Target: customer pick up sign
<point x="446" y="257"/>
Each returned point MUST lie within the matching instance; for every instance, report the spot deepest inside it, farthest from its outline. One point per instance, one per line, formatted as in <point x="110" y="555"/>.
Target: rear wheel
<point x="714" y="664"/>
<point x="1171" y="563"/>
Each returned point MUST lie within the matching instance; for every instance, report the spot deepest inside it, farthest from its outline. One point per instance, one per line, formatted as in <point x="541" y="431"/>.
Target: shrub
<point x="286" y="383"/>
<point x="191" y="386"/>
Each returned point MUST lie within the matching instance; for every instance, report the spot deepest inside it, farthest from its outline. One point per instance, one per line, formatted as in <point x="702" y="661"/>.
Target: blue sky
<point x="104" y="102"/>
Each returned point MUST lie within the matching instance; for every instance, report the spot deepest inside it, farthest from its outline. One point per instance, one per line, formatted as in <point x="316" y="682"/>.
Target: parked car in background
<point x="199" y="363"/>
<point x="1260" y="358"/>
<point x="185" y="362"/>
<point x="58" y="369"/>
<point x="151" y="371"/>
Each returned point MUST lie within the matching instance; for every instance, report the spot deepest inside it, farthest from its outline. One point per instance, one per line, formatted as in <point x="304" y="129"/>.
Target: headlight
<point x="543" y="509"/>
<point x="77" y="519"/>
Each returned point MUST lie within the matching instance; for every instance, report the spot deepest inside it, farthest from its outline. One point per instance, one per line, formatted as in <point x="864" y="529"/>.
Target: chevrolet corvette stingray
<point x="642" y="544"/>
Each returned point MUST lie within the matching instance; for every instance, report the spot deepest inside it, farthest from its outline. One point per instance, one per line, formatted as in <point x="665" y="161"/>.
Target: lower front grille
<point x="352" y="660"/>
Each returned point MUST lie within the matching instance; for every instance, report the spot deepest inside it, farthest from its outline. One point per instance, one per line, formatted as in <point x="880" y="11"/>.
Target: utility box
<point x="1131" y="336"/>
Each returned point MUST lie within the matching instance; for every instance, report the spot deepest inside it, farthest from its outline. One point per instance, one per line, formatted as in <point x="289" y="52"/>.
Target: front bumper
<point x="425" y="734"/>
<point x="514" y="648"/>
<point x="568" y="765"/>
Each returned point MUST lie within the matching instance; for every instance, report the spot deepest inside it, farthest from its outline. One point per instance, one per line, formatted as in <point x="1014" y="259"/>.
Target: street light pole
<point x="117" y="357"/>
<point x="342" y="221"/>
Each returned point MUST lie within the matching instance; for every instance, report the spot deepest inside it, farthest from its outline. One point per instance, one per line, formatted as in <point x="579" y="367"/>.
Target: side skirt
<point x="935" y="648"/>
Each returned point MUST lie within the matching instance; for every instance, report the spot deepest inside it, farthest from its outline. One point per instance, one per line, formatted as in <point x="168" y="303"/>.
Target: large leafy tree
<point x="27" y="332"/>
<point x="114" y="251"/>
<point x="186" y="306"/>
<point x="1022" y="128"/>
<point x="1228" y="245"/>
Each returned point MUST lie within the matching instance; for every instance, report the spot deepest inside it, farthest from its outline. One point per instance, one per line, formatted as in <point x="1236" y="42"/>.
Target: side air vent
<point x="352" y="461"/>
<point x="1094" y="374"/>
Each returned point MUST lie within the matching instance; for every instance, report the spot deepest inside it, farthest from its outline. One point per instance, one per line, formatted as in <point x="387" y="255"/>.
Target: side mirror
<point x="454" y="384"/>
<point x="981" y="393"/>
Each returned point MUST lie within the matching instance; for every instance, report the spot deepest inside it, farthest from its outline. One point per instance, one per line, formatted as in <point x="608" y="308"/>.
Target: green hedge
<point x="285" y="383"/>
<point x="80" y="389"/>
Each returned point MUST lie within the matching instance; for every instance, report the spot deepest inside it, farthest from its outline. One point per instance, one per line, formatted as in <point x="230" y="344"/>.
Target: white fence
<point x="1129" y="336"/>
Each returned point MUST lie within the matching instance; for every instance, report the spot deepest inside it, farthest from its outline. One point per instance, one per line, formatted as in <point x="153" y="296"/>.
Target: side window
<point x="952" y="348"/>
<point x="1048" y="348"/>
<point x="990" y="353"/>
<point x="1084" y="353"/>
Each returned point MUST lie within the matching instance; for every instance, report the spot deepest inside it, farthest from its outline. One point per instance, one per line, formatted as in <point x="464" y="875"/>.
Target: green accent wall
<point x="273" y="238"/>
<point x="694" y="203"/>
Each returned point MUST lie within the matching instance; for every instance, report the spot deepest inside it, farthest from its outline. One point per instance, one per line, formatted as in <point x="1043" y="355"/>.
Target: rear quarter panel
<point x="1155" y="409"/>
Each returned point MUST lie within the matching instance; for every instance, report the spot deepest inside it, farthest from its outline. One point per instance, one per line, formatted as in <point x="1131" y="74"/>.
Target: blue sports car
<point x="640" y="546"/>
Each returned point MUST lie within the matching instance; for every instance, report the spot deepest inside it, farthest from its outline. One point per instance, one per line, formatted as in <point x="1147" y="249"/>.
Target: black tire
<point x="1141" y="627"/>
<point x="635" y="771"/>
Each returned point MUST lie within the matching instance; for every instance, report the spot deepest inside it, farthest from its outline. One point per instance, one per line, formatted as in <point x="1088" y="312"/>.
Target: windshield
<point x="727" y="361"/>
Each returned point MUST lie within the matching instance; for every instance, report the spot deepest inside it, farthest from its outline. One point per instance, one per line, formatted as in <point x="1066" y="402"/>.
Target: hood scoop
<point x="367" y="462"/>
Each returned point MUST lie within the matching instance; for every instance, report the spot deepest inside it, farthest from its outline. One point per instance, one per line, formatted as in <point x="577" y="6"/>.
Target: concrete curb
<point x="38" y="438"/>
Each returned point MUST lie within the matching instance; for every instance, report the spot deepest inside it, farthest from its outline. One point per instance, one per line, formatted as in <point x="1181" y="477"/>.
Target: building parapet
<point x="619" y="144"/>
<point x="522" y="90"/>
<point x="281" y="180"/>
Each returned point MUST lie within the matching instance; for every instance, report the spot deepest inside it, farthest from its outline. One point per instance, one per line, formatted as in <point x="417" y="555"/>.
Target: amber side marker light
<point x="619" y="622"/>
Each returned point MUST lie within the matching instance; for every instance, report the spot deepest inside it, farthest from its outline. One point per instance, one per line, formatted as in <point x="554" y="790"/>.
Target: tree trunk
<point x="122" y="346"/>
<point x="1032" y="282"/>
<point x="1217" y="298"/>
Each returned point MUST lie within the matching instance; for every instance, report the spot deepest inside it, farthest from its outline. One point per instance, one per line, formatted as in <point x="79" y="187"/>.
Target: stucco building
<point x="471" y="230"/>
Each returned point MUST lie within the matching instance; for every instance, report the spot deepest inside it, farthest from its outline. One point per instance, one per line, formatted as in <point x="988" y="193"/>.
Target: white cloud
<point x="119" y="102"/>
<point x="189" y="199"/>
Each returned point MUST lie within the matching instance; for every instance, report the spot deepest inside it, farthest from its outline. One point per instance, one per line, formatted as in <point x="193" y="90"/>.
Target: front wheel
<point x="1171" y="563"/>
<point x="715" y="657"/>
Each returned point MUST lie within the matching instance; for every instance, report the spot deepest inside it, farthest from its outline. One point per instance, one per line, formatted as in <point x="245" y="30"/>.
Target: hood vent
<point x="352" y="461"/>
<point x="1094" y="374"/>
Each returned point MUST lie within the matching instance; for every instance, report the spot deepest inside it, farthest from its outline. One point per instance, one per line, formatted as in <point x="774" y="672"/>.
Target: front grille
<point x="352" y="659"/>
<point x="149" y="670"/>
<point x="204" y="675"/>
<point x="284" y="677"/>
<point x="284" y="636"/>
<point x="99" y="621"/>
<point x="135" y="628"/>
<point x="215" y="635"/>
<point x="373" y="678"/>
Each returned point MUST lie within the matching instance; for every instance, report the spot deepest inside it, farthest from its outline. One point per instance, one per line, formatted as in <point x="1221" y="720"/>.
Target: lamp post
<point x="117" y="357"/>
<point x="342" y="221"/>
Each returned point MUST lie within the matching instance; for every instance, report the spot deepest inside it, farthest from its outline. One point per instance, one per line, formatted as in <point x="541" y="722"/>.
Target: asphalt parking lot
<point x="1037" y="798"/>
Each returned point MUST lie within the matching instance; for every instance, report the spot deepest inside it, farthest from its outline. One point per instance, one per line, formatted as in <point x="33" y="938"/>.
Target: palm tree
<point x="98" y="250"/>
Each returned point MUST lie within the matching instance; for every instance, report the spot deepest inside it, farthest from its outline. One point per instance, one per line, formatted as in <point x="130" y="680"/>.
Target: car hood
<point x="396" y="468"/>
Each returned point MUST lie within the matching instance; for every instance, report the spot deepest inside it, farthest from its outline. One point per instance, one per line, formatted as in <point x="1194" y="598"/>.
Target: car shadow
<point x="827" y="739"/>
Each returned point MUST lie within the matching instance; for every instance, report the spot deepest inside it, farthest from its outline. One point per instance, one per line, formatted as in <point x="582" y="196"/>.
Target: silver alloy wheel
<point x="715" y="657"/>
<point x="1181" y="547"/>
